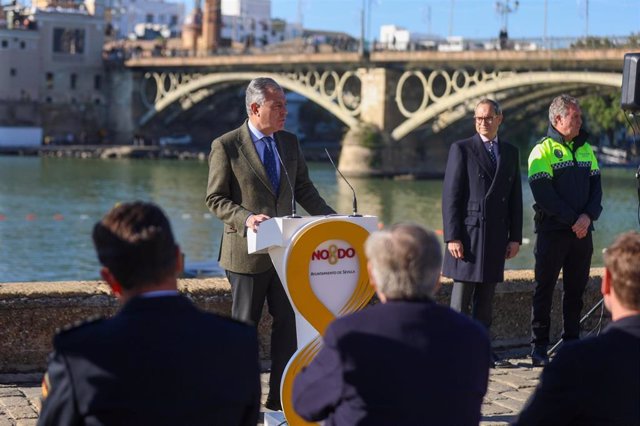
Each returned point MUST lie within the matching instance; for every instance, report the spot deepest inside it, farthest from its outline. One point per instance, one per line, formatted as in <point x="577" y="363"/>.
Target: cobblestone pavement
<point x="508" y="390"/>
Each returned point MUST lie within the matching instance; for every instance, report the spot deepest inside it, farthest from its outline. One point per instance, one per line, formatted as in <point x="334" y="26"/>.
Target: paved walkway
<point x="507" y="393"/>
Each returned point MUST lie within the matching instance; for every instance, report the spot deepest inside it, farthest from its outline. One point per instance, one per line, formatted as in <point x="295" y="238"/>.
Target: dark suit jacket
<point x="481" y="209"/>
<point x="595" y="381"/>
<point x="159" y="361"/>
<point x="398" y="363"/>
<point x="238" y="186"/>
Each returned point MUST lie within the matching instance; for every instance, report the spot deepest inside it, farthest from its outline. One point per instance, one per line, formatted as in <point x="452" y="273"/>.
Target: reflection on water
<point x="48" y="207"/>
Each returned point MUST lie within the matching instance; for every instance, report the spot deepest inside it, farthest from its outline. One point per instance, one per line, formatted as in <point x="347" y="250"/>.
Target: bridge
<point x="399" y="96"/>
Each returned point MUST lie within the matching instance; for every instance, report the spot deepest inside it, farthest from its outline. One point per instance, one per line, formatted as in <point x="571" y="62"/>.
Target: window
<point x="97" y="82"/>
<point x="73" y="79"/>
<point x="5" y="44"/>
<point x="49" y="80"/>
<point x="12" y="72"/>
<point x="23" y="44"/>
<point x="69" y="41"/>
<point x="149" y="18"/>
<point x="174" y="20"/>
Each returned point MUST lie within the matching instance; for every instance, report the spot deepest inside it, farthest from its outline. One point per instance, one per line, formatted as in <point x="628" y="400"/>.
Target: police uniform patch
<point x="45" y="386"/>
<point x="557" y="153"/>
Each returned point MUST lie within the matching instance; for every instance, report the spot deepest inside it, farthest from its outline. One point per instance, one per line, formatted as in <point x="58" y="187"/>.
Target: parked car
<point x="183" y="139"/>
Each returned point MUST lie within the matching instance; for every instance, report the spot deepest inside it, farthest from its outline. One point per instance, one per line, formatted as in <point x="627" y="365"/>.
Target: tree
<point x="603" y="114"/>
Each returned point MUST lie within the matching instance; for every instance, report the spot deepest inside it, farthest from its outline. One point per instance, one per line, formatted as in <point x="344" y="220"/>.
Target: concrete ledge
<point x="30" y="313"/>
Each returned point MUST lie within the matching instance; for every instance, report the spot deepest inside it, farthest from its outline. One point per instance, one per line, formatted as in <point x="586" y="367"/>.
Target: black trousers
<point x="249" y="292"/>
<point x="556" y="250"/>
<point x="481" y="308"/>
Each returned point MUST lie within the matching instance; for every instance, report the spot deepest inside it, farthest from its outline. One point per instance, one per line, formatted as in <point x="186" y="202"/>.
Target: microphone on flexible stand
<point x="355" y="201"/>
<point x="293" y="214"/>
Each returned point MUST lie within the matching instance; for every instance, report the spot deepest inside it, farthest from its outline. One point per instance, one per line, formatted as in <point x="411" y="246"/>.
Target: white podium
<point x="321" y="263"/>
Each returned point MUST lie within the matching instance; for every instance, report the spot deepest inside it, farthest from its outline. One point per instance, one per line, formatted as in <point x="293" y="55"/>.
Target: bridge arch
<point x="510" y="81"/>
<point x="201" y="82"/>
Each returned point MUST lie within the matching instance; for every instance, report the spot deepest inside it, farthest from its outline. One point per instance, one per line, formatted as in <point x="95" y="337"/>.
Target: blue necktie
<point x="492" y="154"/>
<point x="270" y="164"/>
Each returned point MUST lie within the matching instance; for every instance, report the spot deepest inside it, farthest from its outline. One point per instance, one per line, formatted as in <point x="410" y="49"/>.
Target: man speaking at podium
<point x="246" y="186"/>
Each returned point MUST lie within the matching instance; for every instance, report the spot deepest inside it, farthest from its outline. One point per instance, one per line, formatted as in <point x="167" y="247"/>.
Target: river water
<point x="48" y="207"/>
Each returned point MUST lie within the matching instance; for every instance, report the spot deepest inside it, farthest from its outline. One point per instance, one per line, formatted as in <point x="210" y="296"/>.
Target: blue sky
<point x="471" y="18"/>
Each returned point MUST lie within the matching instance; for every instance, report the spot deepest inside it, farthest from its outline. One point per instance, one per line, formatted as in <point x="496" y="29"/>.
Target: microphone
<point x="293" y="214"/>
<point x="355" y="201"/>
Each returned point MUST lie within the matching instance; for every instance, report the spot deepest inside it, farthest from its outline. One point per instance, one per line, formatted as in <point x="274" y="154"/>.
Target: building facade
<point x="127" y="14"/>
<point x="55" y="77"/>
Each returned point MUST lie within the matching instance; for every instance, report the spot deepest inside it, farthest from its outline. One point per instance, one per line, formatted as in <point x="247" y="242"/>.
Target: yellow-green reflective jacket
<point x="565" y="181"/>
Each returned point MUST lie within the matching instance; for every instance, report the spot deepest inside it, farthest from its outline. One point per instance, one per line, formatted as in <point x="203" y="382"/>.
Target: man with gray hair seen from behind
<point x="249" y="170"/>
<point x="596" y="381"/>
<point x="405" y="361"/>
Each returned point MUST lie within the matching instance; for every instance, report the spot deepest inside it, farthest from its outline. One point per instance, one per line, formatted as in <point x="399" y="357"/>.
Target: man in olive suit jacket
<point x="246" y="187"/>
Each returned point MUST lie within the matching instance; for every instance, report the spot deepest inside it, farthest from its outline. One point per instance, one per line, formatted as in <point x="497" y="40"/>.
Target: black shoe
<point x="273" y="405"/>
<point x="498" y="362"/>
<point x="539" y="357"/>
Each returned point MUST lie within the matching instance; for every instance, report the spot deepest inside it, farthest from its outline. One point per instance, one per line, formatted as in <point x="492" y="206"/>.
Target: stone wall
<point x="30" y="313"/>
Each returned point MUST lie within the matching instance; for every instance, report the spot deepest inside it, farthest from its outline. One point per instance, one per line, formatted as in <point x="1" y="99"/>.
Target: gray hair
<point x="494" y="104"/>
<point x="405" y="261"/>
<point x="256" y="90"/>
<point x="560" y="106"/>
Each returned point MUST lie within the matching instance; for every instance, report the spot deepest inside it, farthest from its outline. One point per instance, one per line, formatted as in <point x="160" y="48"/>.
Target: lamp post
<point x="365" y="26"/>
<point x="451" y="18"/>
<point x="504" y="8"/>
<point x="361" y="49"/>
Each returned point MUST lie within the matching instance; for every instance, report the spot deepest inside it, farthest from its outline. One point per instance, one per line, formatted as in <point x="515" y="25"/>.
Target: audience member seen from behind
<point x="596" y="381"/>
<point x="158" y="361"/>
<point x="405" y="361"/>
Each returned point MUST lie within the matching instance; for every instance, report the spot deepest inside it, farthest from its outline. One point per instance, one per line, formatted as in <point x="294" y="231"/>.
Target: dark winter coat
<point x="481" y="207"/>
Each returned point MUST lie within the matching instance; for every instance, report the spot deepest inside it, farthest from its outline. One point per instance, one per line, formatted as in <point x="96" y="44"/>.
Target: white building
<point x="394" y="38"/>
<point x="126" y="14"/>
<point x="248" y="22"/>
<point x="397" y="38"/>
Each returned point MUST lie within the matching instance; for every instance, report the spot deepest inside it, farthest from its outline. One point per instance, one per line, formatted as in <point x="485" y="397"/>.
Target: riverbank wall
<point x="105" y="152"/>
<point x="30" y="313"/>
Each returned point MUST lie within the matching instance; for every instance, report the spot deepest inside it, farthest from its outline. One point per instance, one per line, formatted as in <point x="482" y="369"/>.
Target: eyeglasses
<point x="487" y="120"/>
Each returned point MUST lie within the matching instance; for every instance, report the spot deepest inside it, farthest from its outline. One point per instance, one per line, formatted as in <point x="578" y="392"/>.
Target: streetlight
<point x="504" y="8"/>
<point x="365" y="25"/>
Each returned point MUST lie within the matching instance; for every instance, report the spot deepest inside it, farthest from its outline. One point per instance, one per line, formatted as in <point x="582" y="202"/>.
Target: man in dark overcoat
<point x="482" y="214"/>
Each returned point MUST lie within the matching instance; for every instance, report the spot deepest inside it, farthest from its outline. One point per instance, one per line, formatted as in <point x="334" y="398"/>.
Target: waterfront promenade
<point x="30" y="313"/>
<point x="508" y="391"/>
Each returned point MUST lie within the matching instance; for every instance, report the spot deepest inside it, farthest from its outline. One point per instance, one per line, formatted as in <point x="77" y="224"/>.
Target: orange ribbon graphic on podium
<point x="303" y="249"/>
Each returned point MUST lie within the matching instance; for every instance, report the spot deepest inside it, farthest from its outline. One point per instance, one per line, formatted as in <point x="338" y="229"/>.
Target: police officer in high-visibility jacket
<point x="565" y="181"/>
